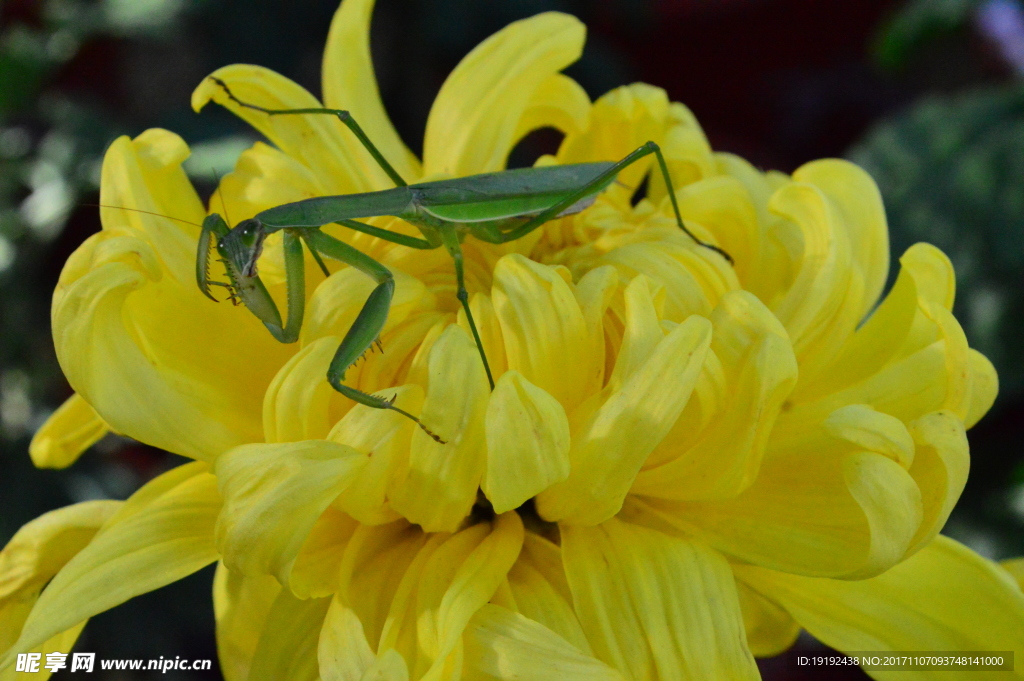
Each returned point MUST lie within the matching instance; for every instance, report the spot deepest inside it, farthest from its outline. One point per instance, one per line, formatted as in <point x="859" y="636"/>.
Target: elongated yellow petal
<point x="770" y="629"/>
<point x="473" y="121"/>
<point x="656" y="606"/>
<point x="273" y="495"/>
<point x="349" y="83"/>
<point x="388" y="667"/>
<point x="540" y="591"/>
<point x="61" y="643"/>
<point x="848" y="515"/>
<point x="38" y="551"/>
<point x="287" y="650"/>
<point x="437" y="486"/>
<point x="384" y="436"/>
<point x="1015" y="567"/>
<point x="527" y="442"/>
<point x="69" y="431"/>
<point x="508" y="646"/>
<point x="130" y="328"/>
<point x="315" y="570"/>
<point x="450" y="579"/>
<point x="263" y="177"/>
<point x="944" y="598"/>
<point x="316" y="140"/>
<point x="343" y="652"/>
<point x="489" y="328"/>
<point x="726" y="456"/>
<point x="642" y="331"/>
<point x="297" y="403"/>
<point x="862" y="426"/>
<point x="376" y="560"/>
<point x="608" y="451"/>
<point x="241" y="605"/>
<point x="167" y="539"/>
<point x="544" y="329"/>
<point x="42" y="547"/>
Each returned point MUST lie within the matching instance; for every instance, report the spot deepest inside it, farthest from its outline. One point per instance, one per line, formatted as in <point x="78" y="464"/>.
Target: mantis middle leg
<point x="369" y="322"/>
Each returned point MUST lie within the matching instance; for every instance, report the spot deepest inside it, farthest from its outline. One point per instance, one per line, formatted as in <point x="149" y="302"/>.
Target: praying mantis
<point x="493" y="207"/>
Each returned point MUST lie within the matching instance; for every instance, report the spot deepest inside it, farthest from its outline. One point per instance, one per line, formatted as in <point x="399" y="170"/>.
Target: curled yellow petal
<point x="559" y="102"/>
<point x="287" y="648"/>
<point x="984" y="388"/>
<point x="852" y="191"/>
<point x="349" y="83"/>
<point x="141" y="548"/>
<point x="297" y="403"/>
<point x="770" y="629"/>
<point x="383" y="436"/>
<point x="38" y="551"/>
<point x="273" y="496"/>
<point x="527" y="442"/>
<point x="452" y="577"/>
<point x="509" y="646"/>
<point x="69" y="431"/>
<point x="849" y="515"/>
<point x="717" y="456"/>
<point x="941" y="463"/>
<point x="656" y="606"/>
<point x="544" y="329"/>
<point x="944" y="598"/>
<point x="240" y="605"/>
<point x="436" y="486"/>
<point x="317" y="141"/>
<point x="131" y="328"/>
<point x="472" y="124"/>
<point x="609" y="449"/>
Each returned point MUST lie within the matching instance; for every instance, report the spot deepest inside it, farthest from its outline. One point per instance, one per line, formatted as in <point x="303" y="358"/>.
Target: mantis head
<point x="242" y="246"/>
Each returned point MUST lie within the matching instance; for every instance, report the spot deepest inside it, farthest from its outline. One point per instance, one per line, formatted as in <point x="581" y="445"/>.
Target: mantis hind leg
<point x="342" y="115"/>
<point x="369" y="323"/>
<point x="589" y="188"/>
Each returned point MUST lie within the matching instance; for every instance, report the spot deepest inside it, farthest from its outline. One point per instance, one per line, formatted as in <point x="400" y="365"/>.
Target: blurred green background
<point x="927" y="95"/>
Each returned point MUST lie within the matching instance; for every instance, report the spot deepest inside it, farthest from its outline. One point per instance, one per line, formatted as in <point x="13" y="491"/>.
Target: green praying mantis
<point x="493" y="207"/>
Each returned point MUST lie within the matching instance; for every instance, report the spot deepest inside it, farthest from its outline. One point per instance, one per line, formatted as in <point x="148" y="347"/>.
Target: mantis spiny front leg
<point x="241" y="248"/>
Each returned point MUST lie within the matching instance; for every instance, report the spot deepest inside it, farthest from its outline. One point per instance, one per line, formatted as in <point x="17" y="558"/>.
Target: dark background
<point x="927" y="95"/>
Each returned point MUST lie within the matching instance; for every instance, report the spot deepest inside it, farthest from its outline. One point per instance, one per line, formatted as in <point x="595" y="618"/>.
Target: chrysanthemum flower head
<point x="681" y="464"/>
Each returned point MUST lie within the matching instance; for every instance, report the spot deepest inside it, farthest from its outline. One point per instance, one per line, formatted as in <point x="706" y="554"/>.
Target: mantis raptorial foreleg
<point x="246" y="285"/>
<point x="213" y="228"/>
<point x="588" y="188"/>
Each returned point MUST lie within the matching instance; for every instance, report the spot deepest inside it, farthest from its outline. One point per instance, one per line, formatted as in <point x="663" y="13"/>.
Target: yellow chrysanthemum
<point x="681" y="464"/>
